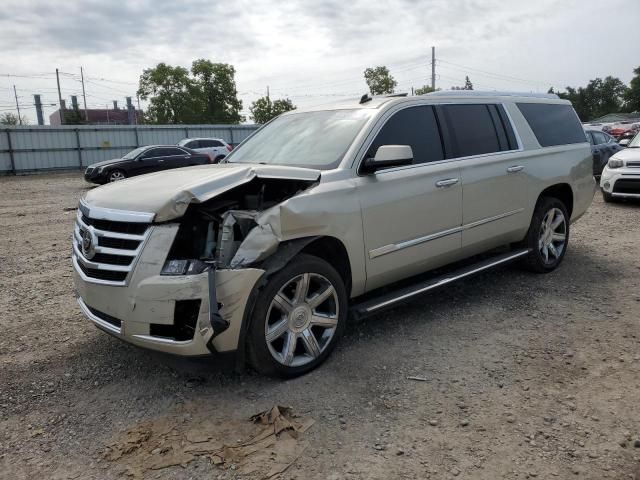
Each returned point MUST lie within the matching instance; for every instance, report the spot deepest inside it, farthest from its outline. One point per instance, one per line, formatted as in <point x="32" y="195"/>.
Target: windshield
<point x="134" y="153"/>
<point x="635" y="143"/>
<point x="311" y="139"/>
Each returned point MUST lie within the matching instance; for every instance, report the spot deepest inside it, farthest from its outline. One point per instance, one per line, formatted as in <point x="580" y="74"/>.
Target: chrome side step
<point x="374" y="305"/>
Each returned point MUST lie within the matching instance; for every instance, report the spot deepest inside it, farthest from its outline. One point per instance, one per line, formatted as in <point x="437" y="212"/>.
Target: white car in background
<point x="621" y="176"/>
<point x="216" y="147"/>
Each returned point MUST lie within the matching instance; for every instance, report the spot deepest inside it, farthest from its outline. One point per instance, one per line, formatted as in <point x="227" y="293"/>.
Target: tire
<point x="607" y="197"/>
<point x="116" y="175"/>
<point x="290" y="344"/>
<point x="219" y="157"/>
<point x="545" y="241"/>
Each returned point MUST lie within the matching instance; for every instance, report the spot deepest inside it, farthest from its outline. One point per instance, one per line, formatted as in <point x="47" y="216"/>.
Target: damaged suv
<point x="327" y="212"/>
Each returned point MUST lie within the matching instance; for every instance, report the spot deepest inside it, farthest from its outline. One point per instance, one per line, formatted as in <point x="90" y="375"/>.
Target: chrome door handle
<point x="515" y="168"/>
<point x="447" y="182"/>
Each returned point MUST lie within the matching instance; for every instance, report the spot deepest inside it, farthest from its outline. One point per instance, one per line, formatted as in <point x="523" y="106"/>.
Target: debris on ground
<point x="271" y="443"/>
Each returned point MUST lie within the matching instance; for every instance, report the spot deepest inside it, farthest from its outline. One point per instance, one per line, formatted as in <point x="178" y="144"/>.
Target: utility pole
<point x="17" y="105"/>
<point x="433" y="68"/>
<point x="268" y="99"/>
<point x="60" y="98"/>
<point x="84" y="96"/>
<point x="108" y="122"/>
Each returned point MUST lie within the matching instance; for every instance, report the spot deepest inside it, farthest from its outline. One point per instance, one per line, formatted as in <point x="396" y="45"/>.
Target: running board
<point x="374" y="305"/>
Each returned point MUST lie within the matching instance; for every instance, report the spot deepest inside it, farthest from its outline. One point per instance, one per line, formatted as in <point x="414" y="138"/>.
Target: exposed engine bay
<point x="214" y="231"/>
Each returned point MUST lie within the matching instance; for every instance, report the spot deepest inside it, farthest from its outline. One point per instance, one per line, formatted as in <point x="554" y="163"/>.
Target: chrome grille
<point x="89" y="170"/>
<point x="114" y="244"/>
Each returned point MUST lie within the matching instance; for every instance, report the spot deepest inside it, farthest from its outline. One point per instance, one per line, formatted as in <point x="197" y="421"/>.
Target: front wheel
<point x="548" y="236"/>
<point x="297" y="319"/>
<point x="117" y="175"/>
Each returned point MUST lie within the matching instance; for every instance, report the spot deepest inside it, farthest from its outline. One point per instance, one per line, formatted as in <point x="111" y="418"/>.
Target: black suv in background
<point x="144" y="160"/>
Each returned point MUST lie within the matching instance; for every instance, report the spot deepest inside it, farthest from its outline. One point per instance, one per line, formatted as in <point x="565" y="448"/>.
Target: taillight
<point x="229" y="147"/>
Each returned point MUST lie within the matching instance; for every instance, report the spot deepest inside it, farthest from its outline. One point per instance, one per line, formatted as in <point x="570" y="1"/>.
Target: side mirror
<point x="388" y="156"/>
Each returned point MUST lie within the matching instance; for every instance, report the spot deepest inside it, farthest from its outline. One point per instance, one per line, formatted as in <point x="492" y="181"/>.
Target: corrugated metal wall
<point x="30" y="148"/>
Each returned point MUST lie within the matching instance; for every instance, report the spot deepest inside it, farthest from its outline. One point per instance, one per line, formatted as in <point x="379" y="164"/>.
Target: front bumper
<point x="128" y="311"/>
<point x="627" y="180"/>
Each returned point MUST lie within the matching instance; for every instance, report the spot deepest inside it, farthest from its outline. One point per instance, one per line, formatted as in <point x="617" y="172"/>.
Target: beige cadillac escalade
<point x="326" y="213"/>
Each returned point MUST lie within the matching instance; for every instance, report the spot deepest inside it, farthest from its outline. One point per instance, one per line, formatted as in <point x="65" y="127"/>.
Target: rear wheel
<point x="117" y="175"/>
<point x="298" y="317"/>
<point x="548" y="236"/>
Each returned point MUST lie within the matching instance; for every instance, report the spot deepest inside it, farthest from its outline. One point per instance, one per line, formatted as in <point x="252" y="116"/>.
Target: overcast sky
<point x="313" y="51"/>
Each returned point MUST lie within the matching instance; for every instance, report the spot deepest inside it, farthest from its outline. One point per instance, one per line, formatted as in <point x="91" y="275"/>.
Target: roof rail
<point x="477" y="93"/>
<point x="397" y="94"/>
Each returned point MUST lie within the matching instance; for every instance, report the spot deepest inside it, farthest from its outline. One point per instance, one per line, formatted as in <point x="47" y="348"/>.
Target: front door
<point x="412" y="214"/>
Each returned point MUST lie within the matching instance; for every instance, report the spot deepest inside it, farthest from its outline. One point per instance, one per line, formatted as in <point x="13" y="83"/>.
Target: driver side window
<point x="413" y="126"/>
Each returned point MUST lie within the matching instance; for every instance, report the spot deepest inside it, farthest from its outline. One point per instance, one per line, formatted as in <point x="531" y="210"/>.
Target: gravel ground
<point x="524" y="375"/>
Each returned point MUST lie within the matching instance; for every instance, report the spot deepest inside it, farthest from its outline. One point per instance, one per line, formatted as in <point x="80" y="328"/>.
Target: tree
<point x="598" y="98"/>
<point x="217" y="85"/>
<point x="170" y="92"/>
<point x="263" y="109"/>
<point x="632" y="96"/>
<point x="379" y="80"/>
<point x="206" y="94"/>
<point x="424" y="90"/>
<point x="13" y="119"/>
<point x="467" y="85"/>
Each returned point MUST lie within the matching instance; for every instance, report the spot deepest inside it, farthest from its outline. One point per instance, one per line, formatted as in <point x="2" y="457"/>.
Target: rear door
<point x="411" y="214"/>
<point x="494" y="183"/>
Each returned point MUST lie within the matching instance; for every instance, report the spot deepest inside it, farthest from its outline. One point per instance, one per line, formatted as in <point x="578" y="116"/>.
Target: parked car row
<point x="154" y="158"/>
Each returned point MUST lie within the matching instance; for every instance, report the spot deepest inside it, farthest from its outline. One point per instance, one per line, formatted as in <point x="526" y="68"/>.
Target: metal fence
<point x="32" y="148"/>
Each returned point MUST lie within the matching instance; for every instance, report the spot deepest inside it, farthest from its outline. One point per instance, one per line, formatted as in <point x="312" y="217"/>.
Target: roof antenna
<point x="365" y="98"/>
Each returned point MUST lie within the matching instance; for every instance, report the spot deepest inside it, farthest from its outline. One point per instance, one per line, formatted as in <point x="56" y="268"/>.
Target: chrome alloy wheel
<point x="302" y="319"/>
<point x="553" y="236"/>
<point x="116" y="175"/>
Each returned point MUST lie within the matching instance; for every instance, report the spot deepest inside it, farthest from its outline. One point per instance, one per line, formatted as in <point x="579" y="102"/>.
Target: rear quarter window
<point x="553" y="124"/>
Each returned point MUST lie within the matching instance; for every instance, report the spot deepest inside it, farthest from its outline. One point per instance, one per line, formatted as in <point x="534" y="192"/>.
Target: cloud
<point x="314" y="51"/>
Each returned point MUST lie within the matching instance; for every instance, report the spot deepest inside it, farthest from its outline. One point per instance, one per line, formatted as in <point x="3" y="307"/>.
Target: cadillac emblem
<point x="89" y="241"/>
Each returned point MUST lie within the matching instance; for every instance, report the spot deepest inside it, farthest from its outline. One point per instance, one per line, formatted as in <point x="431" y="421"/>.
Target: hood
<point x="627" y="154"/>
<point x="167" y="194"/>
<point x="106" y="162"/>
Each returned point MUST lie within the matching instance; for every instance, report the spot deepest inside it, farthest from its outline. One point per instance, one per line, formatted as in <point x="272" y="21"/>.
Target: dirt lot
<point x="524" y="375"/>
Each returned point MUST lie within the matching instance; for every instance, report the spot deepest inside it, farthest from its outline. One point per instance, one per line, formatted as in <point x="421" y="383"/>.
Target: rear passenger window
<point x="413" y="126"/>
<point x="477" y="129"/>
<point x="553" y="124"/>
<point x="193" y="144"/>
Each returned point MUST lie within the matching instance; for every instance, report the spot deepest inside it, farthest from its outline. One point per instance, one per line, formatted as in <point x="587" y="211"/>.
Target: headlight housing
<point x="100" y="169"/>
<point x="184" y="267"/>
<point x="615" y="163"/>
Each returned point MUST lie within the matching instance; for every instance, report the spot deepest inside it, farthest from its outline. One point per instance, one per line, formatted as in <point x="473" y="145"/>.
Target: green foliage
<point x="424" y="90"/>
<point x="632" y="95"/>
<point x="218" y="102"/>
<point x="207" y="95"/>
<point x="73" y="117"/>
<point x="598" y="98"/>
<point x="379" y="80"/>
<point x="10" y="118"/>
<point x="467" y="85"/>
<point x="263" y="109"/>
